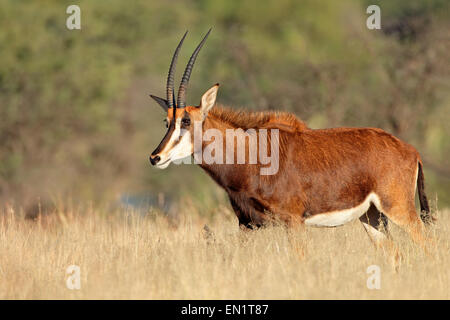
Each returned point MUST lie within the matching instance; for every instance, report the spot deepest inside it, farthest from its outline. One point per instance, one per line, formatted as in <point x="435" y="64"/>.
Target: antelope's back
<point x="338" y="146"/>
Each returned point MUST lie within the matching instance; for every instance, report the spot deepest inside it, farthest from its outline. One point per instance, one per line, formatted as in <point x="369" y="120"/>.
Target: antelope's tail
<point x="424" y="207"/>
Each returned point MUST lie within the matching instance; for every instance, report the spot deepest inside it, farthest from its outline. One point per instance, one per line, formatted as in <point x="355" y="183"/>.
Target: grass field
<point x="124" y="255"/>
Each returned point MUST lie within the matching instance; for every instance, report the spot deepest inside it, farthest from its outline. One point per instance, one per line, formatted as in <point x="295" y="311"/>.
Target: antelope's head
<point x="178" y="142"/>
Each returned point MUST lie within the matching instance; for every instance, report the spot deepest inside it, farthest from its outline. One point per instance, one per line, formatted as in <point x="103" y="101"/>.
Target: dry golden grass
<point x="124" y="255"/>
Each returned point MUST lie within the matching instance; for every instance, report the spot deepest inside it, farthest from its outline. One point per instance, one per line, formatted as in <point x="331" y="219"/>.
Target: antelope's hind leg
<point x="397" y="203"/>
<point x="406" y="217"/>
<point x="375" y="223"/>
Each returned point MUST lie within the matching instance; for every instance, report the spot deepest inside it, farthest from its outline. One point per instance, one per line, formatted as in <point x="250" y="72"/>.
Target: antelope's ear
<point x="208" y="100"/>
<point x="162" y="102"/>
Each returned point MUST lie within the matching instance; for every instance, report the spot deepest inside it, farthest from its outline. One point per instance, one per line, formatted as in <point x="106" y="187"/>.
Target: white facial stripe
<point x="337" y="218"/>
<point x="173" y="139"/>
<point x="175" y="149"/>
<point x="184" y="148"/>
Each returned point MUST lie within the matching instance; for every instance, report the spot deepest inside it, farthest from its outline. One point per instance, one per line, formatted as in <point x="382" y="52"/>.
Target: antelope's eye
<point x="166" y="123"/>
<point x="186" y="122"/>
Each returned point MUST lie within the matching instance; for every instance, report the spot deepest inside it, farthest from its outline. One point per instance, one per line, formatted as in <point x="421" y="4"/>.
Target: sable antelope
<point x="326" y="177"/>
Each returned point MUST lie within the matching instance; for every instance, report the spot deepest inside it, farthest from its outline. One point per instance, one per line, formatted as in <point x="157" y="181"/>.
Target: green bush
<point x="75" y="117"/>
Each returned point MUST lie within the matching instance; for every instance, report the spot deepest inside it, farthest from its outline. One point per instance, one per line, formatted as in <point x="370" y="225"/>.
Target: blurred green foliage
<point x="75" y="117"/>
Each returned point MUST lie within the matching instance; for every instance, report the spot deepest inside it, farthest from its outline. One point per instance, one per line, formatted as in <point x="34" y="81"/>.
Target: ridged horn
<point x="170" y="81"/>
<point x="181" y="102"/>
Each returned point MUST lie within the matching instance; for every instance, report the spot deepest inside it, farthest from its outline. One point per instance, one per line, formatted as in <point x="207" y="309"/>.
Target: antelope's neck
<point x="218" y="172"/>
<point x="212" y="122"/>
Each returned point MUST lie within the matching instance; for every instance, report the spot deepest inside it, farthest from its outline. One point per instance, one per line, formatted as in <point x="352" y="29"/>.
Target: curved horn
<point x="187" y="74"/>
<point x="170" y="82"/>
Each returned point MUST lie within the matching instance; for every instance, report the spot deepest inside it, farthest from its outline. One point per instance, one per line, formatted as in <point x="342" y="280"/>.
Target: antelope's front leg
<point x="248" y="216"/>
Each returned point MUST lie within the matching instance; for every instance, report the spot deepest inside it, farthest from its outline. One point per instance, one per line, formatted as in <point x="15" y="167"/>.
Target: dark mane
<point x="258" y="119"/>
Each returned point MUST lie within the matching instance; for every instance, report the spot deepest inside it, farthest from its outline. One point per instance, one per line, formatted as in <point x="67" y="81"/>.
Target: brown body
<point x="320" y="171"/>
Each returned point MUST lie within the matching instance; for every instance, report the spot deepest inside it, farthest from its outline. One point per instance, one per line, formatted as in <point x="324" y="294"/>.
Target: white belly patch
<point x="337" y="218"/>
